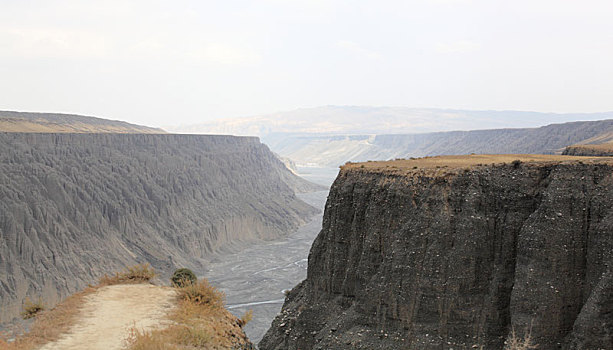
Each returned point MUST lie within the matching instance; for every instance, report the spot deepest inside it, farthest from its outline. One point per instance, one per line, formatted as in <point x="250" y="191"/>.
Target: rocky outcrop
<point x="75" y="206"/>
<point x="597" y="150"/>
<point x="456" y="253"/>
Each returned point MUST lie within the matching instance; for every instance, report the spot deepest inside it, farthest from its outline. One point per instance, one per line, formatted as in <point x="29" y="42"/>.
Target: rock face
<point x="75" y="206"/>
<point x="447" y="253"/>
<point x="597" y="150"/>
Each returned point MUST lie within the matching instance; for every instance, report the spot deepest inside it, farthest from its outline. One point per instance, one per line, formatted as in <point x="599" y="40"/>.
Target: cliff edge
<point x="459" y="252"/>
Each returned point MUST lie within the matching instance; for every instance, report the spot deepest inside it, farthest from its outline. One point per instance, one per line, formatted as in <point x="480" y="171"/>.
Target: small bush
<point x="183" y="277"/>
<point x="31" y="308"/>
<point x="140" y="273"/>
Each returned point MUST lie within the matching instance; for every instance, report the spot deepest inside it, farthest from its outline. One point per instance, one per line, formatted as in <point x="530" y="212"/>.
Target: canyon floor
<point x="255" y="278"/>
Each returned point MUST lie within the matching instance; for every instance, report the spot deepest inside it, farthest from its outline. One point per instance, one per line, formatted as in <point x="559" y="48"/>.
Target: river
<point x="256" y="277"/>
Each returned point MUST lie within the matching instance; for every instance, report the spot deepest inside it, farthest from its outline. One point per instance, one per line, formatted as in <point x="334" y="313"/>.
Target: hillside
<point x="67" y="123"/>
<point x="332" y="151"/>
<point x="462" y="252"/>
<point x="75" y="206"/>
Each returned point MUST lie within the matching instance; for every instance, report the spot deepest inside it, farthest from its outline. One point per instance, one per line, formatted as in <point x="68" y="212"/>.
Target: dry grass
<point x="518" y="343"/>
<point x="32" y="308"/>
<point x="200" y="321"/>
<point x="464" y="161"/>
<point x="50" y="324"/>
<point x="43" y="126"/>
<point x="141" y="273"/>
<point x="248" y="316"/>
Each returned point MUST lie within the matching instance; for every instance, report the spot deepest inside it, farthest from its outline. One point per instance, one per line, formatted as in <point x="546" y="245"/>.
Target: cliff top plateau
<point x="410" y="166"/>
<point x="67" y="123"/>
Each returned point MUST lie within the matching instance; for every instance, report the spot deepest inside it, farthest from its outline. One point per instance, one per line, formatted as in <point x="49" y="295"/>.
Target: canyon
<point x="335" y="150"/>
<point x="329" y="136"/>
<point x="459" y="252"/>
<point x="77" y="206"/>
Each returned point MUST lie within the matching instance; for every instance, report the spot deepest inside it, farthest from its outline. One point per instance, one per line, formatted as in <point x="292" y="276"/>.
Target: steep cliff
<point x="75" y="206"/>
<point x="455" y="253"/>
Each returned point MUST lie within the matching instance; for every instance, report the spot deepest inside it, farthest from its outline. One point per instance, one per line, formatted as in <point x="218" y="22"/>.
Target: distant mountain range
<point x="331" y="151"/>
<point x="332" y="135"/>
<point x="352" y="120"/>
<point x="67" y="123"/>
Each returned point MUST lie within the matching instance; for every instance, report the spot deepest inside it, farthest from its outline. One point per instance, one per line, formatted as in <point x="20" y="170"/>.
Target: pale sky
<point x="182" y="62"/>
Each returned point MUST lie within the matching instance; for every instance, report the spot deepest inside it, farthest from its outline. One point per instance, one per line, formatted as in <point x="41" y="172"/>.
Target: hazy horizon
<point x="158" y="63"/>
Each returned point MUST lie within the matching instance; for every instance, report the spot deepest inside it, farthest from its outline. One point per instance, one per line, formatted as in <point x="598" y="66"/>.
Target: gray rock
<point x="459" y="261"/>
<point x="76" y="206"/>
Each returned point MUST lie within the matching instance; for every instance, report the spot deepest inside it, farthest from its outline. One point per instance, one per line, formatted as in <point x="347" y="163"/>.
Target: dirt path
<point x="109" y="314"/>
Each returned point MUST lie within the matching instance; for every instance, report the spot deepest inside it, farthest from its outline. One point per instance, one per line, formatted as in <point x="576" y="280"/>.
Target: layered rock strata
<point x="457" y="253"/>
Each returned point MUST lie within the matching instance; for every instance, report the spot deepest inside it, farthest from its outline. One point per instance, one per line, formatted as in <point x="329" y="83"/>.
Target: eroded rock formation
<point x="75" y="206"/>
<point x="455" y="253"/>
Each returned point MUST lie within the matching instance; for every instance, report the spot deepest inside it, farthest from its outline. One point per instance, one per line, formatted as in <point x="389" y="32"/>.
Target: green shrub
<point x="183" y="277"/>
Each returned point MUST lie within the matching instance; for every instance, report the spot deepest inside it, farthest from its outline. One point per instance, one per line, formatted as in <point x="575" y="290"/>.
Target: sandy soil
<point x="110" y="313"/>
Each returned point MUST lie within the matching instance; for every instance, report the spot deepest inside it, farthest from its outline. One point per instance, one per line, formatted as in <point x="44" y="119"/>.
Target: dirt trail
<point x="108" y="315"/>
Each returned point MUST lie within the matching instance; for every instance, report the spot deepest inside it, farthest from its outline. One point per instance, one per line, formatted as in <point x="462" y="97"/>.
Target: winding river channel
<point x="256" y="277"/>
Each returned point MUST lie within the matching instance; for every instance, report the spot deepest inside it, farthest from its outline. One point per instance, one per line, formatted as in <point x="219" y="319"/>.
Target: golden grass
<point x="200" y="321"/>
<point x="141" y="273"/>
<point x="50" y="324"/>
<point x="43" y="126"/>
<point x="440" y="166"/>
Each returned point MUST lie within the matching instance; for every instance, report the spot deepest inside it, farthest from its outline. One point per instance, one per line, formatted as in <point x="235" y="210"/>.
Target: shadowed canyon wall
<point x="75" y="206"/>
<point x="458" y="257"/>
